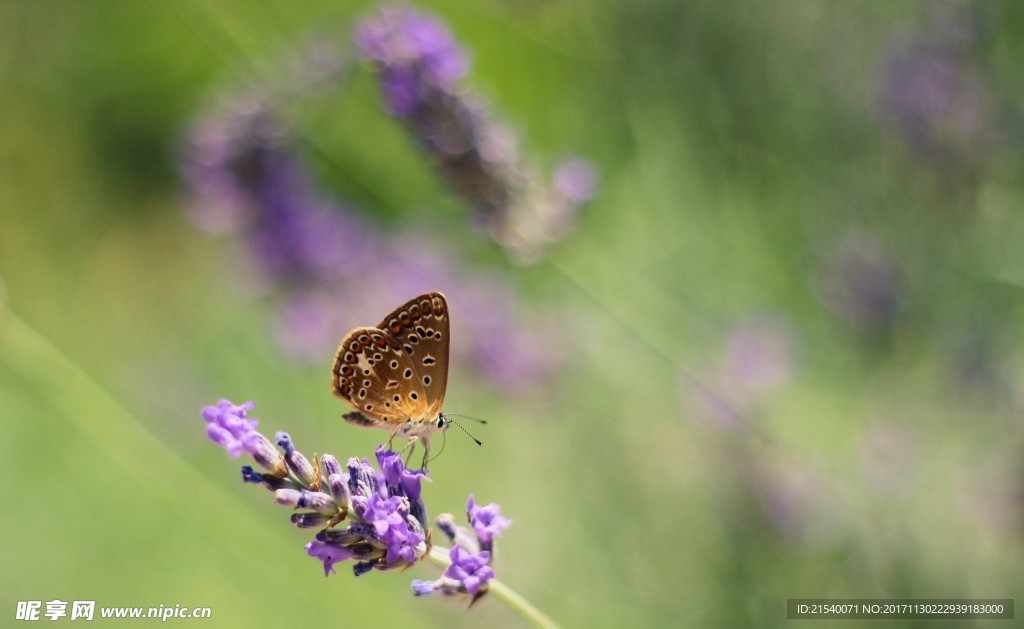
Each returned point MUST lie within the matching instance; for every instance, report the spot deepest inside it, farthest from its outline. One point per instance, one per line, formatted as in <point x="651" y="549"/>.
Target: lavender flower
<point x="398" y="477"/>
<point x="575" y="179"/>
<point x="330" y="268"/>
<point x="383" y="532"/>
<point x="471" y="554"/>
<point x="329" y="554"/>
<point x="759" y="358"/>
<point x="416" y="53"/>
<point x="934" y="91"/>
<point x="486" y="521"/>
<point x="228" y="427"/>
<point x="382" y="509"/>
<point x="390" y="521"/>
<point x="420" y="67"/>
<point x="861" y="284"/>
<point x="759" y="353"/>
<point x="298" y="464"/>
<point x="473" y="571"/>
<point x="796" y="500"/>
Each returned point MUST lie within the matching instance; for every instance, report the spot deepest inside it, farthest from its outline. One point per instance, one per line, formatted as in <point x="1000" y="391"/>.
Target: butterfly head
<point x="443" y="421"/>
<point x="424" y="427"/>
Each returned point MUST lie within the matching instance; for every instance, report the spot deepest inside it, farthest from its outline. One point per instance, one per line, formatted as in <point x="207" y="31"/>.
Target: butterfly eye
<point x="441" y="423"/>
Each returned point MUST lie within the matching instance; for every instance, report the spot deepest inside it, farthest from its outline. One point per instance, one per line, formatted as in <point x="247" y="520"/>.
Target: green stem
<point x="439" y="555"/>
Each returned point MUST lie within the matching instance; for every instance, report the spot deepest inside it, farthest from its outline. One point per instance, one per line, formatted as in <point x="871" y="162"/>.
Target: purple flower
<point x="759" y="354"/>
<point x="470" y="554"/>
<point x="264" y="453"/>
<point x="934" y="90"/>
<point x="362" y="567"/>
<point x="796" y="501"/>
<point x="305" y="499"/>
<point x="399" y="478"/>
<point x="500" y="341"/>
<point x="384" y="510"/>
<point x="759" y="358"/>
<point x="861" y="284"/>
<point x="385" y="531"/>
<point x="422" y="588"/>
<point x="382" y="514"/>
<point x="472" y="570"/>
<point x="407" y="547"/>
<point x="420" y="68"/>
<point x="446" y="587"/>
<point x="415" y="52"/>
<point x="575" y="179"/>
<point x="381" y="510"/>
<point x="332" y="268"/>
<point x="401" y="481"/>
<point x="250" y="475"/>
<point x="363" y="480"/>
<point x="390" y="526"/>
<point x="326" y="264"/>
<point x="328" y="553"/>
<point x="299" y="465"/>
<point x="228" y="426"/>
<point x="486" y="521"/>
<point x="305" y="321"/>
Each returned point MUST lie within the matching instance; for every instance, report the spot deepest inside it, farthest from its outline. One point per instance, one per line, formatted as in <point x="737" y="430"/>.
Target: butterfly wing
<point x="378" y="379"/>
<point x="421" y="329"/>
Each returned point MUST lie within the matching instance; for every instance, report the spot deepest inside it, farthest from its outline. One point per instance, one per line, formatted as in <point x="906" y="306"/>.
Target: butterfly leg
<point x="411" y="447"/>
<point x="426" y="454"/>
<point x="392" y="437"/>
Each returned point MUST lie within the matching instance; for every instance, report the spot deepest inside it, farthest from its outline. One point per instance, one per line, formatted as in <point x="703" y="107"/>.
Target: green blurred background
<point x="796" y="305"/>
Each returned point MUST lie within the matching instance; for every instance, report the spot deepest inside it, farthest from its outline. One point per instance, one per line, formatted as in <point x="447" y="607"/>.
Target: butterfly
<point x="395" y="375"/>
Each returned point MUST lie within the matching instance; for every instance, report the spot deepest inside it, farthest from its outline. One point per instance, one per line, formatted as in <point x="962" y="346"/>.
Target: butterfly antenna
<point x="476" y="419"/>
<point x="447" y="418"/>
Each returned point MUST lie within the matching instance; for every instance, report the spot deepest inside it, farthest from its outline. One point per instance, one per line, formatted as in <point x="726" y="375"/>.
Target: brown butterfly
<point x="395" y="375"/>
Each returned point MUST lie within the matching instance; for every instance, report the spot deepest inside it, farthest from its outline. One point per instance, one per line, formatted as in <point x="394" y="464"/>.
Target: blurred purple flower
<point x="860" y="283"/>
<point x="759" y="358"/>
<point x="935" y="91"/>
<point x="305" y="321"/>
<point x="576" y="179"/>
<point x="330" y="268"/>
<point x="420" y="67"/>
<point x="759" y="353"/>
<point x="416" y="53"/>
<point x="796" y="501"/>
